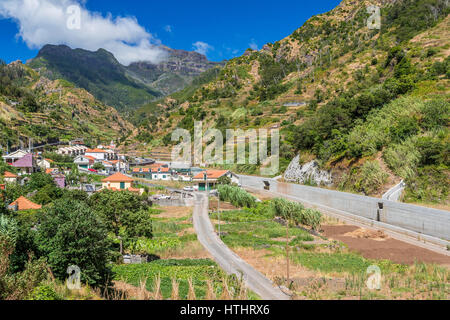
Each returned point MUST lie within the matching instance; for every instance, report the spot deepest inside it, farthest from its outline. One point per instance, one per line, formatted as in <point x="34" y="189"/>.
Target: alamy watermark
<point x="73" y="17"/>
<point x="242" y="147"/>
<point x="74" y="280"/>
<point x="374" y="21"/>
<point x="374" y="280"/>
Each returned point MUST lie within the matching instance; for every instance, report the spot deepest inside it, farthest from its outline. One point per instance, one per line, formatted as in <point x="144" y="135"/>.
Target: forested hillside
<point x="34" y="107"/>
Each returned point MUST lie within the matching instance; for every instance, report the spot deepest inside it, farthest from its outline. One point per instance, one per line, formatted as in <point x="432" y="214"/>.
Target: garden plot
<point x="321" y="268"/>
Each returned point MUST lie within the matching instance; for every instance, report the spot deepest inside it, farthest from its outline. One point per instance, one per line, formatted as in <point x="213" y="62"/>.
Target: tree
<point x="98" y="166"/>
<point x="39" y="180"/>
<point x="70" y="233"/>
<point x="224" y="180"/>
<point x="118" y="211"/>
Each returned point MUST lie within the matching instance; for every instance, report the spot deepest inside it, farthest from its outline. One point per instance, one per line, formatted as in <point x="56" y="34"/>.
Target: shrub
<point x="44" y="292"/>
<point x="296" y="212"/>
<point x="237" y="196"/>
<point x="366" y="179"/>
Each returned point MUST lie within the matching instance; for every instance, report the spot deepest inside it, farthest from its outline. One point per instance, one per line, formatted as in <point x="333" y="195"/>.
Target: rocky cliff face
<point x="173" y="73"/>
<point x="308" y="173"/>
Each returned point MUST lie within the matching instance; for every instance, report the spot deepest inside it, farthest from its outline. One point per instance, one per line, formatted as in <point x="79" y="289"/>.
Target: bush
<point x="296" y="212"/>
<point x="44" y="292"/>
<point x="366" y="179"/>
<point x="237" y="196"/>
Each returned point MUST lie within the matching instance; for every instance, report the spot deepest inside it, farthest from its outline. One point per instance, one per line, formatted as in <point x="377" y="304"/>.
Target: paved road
<point x="230" y="262"/>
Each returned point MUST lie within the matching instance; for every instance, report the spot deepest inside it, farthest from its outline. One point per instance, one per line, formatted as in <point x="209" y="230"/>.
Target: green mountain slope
<point x="98" y="72"/>
<point x="34" y="107"/>
<point x="123" y="87"/>
<point x="331" y="78"/>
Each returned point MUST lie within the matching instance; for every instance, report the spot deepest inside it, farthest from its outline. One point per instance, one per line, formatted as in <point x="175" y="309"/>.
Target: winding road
<point x="230" y="262"/>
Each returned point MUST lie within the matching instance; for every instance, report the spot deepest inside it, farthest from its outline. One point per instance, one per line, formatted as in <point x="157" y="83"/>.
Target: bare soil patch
<point x="175" y="212"/>
<point x="390" y="249"/>
<point x="224" y="206"/>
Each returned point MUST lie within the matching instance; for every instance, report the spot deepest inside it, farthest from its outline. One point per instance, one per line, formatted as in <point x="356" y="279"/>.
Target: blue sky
<point x="221" y="29"/>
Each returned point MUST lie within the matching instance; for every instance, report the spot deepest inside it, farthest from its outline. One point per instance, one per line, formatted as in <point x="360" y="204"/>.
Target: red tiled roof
<point x="211" y="174"/>
<point x="118" y="177"/>
<point x="25" y="204"/>
<point x="96" y="150"/>
<point x="8" y="174"/>
<point x="49" y="171"/>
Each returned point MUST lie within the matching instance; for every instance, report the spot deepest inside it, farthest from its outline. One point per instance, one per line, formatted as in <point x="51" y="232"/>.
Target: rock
<point x="307" y="173"/>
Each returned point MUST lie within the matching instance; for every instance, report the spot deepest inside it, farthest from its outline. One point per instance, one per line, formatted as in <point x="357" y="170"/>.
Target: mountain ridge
<point x="124" y="87"/>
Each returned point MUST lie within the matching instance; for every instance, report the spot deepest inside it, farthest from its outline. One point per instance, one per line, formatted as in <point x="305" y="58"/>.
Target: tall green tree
<point x="123" y="213"/>
<point x="70" y="233"/>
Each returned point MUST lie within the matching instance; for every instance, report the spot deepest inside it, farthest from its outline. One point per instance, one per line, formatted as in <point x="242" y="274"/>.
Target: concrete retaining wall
<point x="426" y="221"/>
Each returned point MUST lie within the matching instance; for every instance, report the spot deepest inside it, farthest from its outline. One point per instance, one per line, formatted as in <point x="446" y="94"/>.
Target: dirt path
<point x="373" y="245"/>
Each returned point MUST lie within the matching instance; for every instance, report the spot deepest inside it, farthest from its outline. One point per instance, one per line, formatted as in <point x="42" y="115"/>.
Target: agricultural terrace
<point x="181" y="268"/>
<point x="320" y="267"/>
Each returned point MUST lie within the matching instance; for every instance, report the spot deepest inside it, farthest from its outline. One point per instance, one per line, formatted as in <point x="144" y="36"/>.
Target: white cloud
<point x="44" y="22"/>
<point x="168" y="28"/>
<point x="253" y="45"/>
<point x="202" y="47"/>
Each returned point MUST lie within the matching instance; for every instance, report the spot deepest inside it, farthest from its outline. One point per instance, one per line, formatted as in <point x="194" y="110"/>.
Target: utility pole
<point x="287" y="250"/>
<point x="218" y="210"/>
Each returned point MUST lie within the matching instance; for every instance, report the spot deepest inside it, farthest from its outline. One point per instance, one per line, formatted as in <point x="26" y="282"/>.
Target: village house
<point x="109" y="167"/>
<point x="23" y="204"/>
<point x="98" y="154"/>
<point x="84" y="162"/>
<point x="207" y="180"/>
<point x="9" y="177"/>
<point x="162" y="173"/>
<point x="72" y="151"/>
<point x="101" y="155"/>
<point x="157" y="171"/>
<point x="26" y="165"/>
<point x="13" y="157"/>
<point x="60" y="180"/>
<point x="120" y="165"/>
<point x="45" y="163"/>
<point x="120" y="182"/>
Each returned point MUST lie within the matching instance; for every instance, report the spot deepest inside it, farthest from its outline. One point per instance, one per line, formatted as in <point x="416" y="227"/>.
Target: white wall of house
<point x="110" y="185"/>
<point x="44" y="164"/>
<point x="97" y="155"/>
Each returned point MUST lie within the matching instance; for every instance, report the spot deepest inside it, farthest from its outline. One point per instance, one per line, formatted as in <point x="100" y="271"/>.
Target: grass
<point x="331" y="271"/>
<point x="418" y="282"/>
<point x="341" y="262"/>
<point x="254" y="228"/>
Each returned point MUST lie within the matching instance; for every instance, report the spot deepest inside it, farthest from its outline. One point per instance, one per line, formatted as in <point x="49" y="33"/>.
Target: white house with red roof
<point x="9" y="177"/>
<point x="84" y="162"/>
<point x="208" y="179"/>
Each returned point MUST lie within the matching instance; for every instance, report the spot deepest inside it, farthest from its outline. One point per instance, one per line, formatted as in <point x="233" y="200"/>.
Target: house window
<point x="122" y="185"/>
